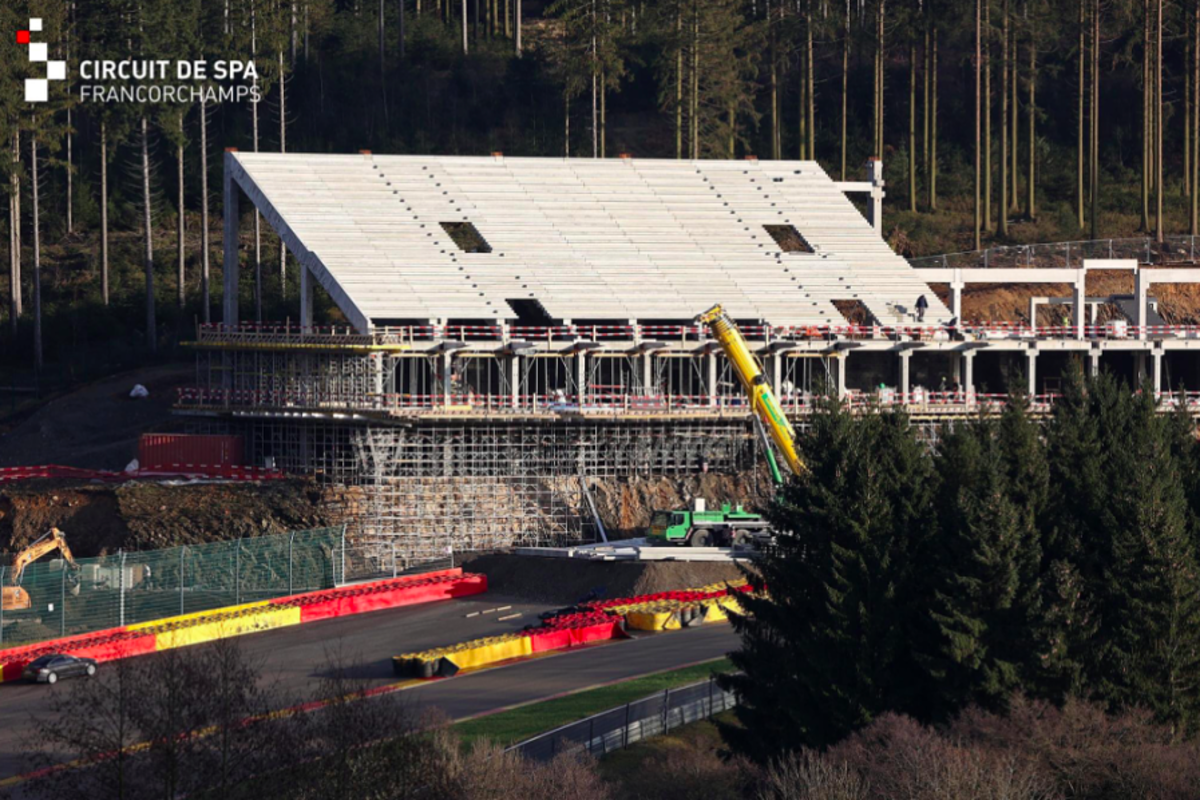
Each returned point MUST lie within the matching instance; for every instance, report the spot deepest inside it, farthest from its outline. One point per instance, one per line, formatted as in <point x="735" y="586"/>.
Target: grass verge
<point x="517" y="724"/>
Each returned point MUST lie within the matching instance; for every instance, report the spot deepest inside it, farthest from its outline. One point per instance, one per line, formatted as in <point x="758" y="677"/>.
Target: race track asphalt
<point x="296" y="659"/>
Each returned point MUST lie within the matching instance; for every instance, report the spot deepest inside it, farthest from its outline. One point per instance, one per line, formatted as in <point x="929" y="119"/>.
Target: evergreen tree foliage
<point x="830" y="649"/>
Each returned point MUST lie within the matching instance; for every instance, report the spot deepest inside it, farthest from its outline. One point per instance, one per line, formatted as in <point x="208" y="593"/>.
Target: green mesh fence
<point x="128" y="588"/>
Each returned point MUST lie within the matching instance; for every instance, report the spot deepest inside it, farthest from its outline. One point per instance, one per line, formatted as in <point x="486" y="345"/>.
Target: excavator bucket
<point x="16" y="599"/>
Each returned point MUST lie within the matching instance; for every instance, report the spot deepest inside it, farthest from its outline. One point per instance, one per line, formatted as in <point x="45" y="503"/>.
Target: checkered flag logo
<point x="37" y="90"/>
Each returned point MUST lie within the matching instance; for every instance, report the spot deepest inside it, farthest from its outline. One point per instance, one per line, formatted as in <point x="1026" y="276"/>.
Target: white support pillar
<point x="232" y="262"/>
<point x="777" y="374"/>
<point x="581" y="376"/>
<point x="1080" y="302"/>
<point x="711" y="360"/>
<point x="447" y="371"/>
<point x="514" y="379"/>
<point x="1031" y="371"/>
<point x="968" y="381"/>
<point x="905" y="356"/>
<point x="1094" y="362"/>
<point x="956" y="289"/>
<point x="647" y="373"/>
<point x="841" y="372"/>
<point x="1141" y="286"/>
<point x="875" y="178"/>
<point x="306" y="299"/>
<point x="377" y="365"/>
<point x="1139" y="367"/>
<point x="1156" y="379"/>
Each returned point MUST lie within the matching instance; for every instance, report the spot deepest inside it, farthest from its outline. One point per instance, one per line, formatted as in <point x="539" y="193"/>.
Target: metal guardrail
<point x="1172" y="250"/>
<point x="631" y="723"/>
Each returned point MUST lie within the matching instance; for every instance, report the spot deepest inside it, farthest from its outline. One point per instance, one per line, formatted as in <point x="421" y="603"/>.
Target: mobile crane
<point x="729" y="525"/>
<point x="16" y="598"/>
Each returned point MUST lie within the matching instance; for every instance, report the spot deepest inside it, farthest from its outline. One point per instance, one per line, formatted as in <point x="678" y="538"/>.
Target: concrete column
<point x="905" y="357"/>
<point x="1094" y="362"/>
<point x="711" y="360"/>
<point x="581" y="375"/>
<point x="777" y="374"/>
<point x="446" y="370"/>
<point x="875" y="178"/>
<point x="841" y="372"/>
<point x="1139" y="366"/>
<point x="648" y="374"/>
<point x="1141" y="287"/>
<point x="968" y="380"/>
<point x="232" y="265"/>
<point x="956" y="290"/>
<point x="306" y="300"/>
<point x="1080" y="302"/>
<point x="377" y="365"/>
<point x="514" y="380"/>
<point x="1031" y="371"/>
<point x="1156" y="379"/>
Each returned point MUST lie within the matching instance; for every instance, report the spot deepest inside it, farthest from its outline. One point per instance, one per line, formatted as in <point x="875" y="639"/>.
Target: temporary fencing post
<point x="591" y="733"/>
<point x="237" y="572"/>
<point x="2" y="571"/>
<point x="343" y="554"/>
<point x="666" y="709"/>
<point x="121" y="583"/>
<point x="626" y="736"/>
<point x="181" y="549"/>
<point x="393" y="558"/>
<point x="291" y="539"/>
<point x="710" y="698"/>
<point x="62" y="601"/>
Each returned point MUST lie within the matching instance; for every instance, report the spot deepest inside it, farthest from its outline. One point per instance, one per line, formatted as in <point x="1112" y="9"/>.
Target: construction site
<point x="520" y="356"/>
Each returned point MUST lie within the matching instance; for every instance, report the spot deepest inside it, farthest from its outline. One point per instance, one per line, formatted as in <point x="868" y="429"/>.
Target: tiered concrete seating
<point x="588" y="240"/>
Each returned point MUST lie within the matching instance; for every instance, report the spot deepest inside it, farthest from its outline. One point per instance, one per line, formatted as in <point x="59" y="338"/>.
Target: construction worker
<point x="922" y="304"/>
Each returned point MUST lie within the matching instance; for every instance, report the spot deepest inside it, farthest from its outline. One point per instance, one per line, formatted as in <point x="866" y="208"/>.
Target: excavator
<point x="733" y="526"/>
<point x="16" y="598"/>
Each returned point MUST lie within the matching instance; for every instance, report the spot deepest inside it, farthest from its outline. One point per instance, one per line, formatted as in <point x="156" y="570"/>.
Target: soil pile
<point x="569" y="580"/>
<point x="625" y="505"/>
<point x="101" y="518"/>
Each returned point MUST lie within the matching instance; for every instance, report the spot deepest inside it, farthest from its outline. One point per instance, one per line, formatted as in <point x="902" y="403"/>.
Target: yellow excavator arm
<point x="754" y="381"/>
<point x="16" y="598"/>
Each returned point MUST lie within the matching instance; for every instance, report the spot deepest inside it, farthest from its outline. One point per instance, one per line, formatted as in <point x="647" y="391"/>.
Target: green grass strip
<point x="518" y="724"/>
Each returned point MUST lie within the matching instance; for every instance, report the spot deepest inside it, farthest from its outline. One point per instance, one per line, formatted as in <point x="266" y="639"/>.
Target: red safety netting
<point x="214" y="471"/>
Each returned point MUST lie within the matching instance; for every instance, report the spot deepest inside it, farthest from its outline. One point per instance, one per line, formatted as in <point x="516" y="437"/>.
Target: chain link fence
<point x="1069" y="255"/>
<point x="633" y="722"/>
<point x="129" y="588"/>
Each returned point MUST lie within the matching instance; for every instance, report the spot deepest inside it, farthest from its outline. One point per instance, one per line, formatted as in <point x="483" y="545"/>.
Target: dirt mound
<point x="567" y="580"/>
<point x="625" y="504"/>
<point x="100" y="518"/>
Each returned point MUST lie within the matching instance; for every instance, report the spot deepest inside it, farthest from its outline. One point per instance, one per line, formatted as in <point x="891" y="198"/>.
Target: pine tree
<point x="829" y="648"/>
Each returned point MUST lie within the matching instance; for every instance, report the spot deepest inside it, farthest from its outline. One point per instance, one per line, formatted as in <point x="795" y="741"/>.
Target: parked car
<point x="48" y="669"/>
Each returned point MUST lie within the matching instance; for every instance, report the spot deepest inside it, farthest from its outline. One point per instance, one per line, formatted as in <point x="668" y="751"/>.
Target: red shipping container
<point x="176" y="450"/>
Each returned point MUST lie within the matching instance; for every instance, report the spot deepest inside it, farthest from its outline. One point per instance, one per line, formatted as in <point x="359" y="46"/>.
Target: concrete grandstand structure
<point x="519" y="328"/>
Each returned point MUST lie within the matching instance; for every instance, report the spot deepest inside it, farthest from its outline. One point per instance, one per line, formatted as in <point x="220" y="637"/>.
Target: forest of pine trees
<point x="1054" y="560"/>
<point x="997" y="120"/>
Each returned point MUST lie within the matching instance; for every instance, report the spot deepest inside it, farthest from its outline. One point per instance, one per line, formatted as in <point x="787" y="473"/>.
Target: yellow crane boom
<point x="754" y="381"/>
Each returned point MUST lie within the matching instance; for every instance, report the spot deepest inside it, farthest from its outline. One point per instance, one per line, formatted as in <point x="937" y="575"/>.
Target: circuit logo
<point x="37" y="90"/>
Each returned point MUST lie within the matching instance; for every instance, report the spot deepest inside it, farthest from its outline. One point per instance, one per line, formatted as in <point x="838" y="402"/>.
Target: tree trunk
<point x="70" y="176"/>
<point x="978" y="114"/>
<point x="603" y="116"/>
<point x="1003" y="209"/>
<point x="181" y="297"/>
<point x="1079" y="158"/>
<point x="517" y="22"/>
<point x="595" y="105"/>
<point x="147" y="223"/>
<point x="1187" y="112"/>
<point x="1194" y="215"/>
<point x="925" y="69"/>
<point x="679" y="83"/>
<point x="912" y="126"/>
<point x="38" y="357"/>
<point x="403" y="36"/>
<point x="802" y="109"/>
<point x="382" y="65"/>
<point x="772" y="54"/>
<point x="1095" y="157"/>
<point x="14" y="236"/>
<point x="104" y="211"/>
<point x="1014" y="132"/>
<point x="1146" y="121"/>
<point x="845" y="84"/>
<point x="879" y="81"/>
<point x="933" y="161"/>
<point x="1158" y="130"/>
<point x="987" y="116"/>
<point x="466" y="47"/>
<point x="283" y="149"/>
<point x="566" y="124"/>
<point x="1031" y="111"/>
<point x="205" y="298"/>
<point x="810" y="76"/>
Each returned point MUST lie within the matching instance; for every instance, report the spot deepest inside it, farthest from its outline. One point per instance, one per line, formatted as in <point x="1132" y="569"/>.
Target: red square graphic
<point x="22" y="37"/>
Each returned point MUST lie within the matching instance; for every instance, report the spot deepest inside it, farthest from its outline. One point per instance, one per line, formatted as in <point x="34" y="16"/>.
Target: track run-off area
<point x="296" y="659"/>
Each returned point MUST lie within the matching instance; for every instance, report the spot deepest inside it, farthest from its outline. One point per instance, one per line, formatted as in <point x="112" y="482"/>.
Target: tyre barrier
<point x="261" y="615"/>
<point x="577" y="625"/>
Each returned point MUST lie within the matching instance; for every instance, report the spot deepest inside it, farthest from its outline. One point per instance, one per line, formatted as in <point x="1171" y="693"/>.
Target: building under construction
<point x="517" y="330"/>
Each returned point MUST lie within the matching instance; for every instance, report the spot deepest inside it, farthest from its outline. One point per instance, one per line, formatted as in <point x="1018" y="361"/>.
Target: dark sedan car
<point x="48" y="669"/>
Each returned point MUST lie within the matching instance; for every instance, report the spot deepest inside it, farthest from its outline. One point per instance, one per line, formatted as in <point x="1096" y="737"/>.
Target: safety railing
<point x="1070" y="255"/>
<point x="631" y="723"/>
